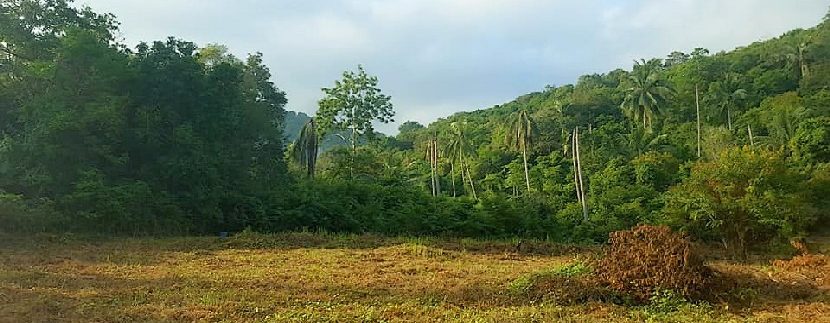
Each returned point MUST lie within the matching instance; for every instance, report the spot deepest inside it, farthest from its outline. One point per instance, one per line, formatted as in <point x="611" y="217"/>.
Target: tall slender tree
<point x="305" y="149"/>
<point x="580" y="184"/>
<point x="697" y="110"/>
<point x="433" y="157"/>
<point x="725" y="96"/>
<point x="352" y="105"/>
<point x="646" y="95"/>
<point x="521" y="138"/>
<point x="459" y="149"/>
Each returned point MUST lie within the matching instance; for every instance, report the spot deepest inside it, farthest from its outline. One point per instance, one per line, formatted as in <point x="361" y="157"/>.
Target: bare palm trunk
<point x="470" y="178"/>
<point x="697" y="106"/>
<point x="430" y="153"/>
<point x="581" y="182"/>
<point x="576" y="172"/>
<point x="751" y="139"/>
<point x="452" y="175"/>
<point x="729" y="118"/>
<point x="804" y="70"/>
<point x="437" y="162"/>
<point x="433" y="165"/>
<point x="527" y="175"/>
<point x="354" y="149"/>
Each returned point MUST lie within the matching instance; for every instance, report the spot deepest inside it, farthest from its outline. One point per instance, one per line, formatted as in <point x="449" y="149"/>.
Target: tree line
<point x="173" y="138"/>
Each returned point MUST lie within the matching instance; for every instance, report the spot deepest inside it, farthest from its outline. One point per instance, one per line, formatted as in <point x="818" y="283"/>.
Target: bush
<point x="21" y="215"/>
<point x="647" y="259"/>
<point x="743" y="197"/>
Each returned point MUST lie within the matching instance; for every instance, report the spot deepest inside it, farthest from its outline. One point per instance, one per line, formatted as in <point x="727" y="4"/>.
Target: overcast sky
<point x="436" y="57"/>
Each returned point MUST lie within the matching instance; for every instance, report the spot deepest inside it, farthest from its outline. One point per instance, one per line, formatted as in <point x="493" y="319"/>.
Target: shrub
<point x="647" y="259"/>
<point x="744" y="197"/>
<point x="18" y="214"/>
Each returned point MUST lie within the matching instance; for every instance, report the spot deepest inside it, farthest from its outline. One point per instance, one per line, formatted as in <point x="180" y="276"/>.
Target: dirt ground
<point x="305" y="277"/>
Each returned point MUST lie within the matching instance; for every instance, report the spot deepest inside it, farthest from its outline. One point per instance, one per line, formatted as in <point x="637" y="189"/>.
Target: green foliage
<point x="648" y="92"/>
<point x="741" y="197"/>
<point x="525" y="283"/>
<point x="171" y="137"/>
<point x="811" y="141"/>
<point x="665" y="301"/>
<point x="352" y="104"/>
<point x="305" y="149"/>
<point x="24" y="215"/>
<point x="144" y="141"/>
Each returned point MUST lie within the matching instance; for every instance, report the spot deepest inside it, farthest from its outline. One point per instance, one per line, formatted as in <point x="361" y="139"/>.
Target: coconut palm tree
<point x="521" y="138"/>
<point x="432" y="155"/>
<point x="459" y="149"/>
<point x="647" y="95"/>
<point x="639" y="141"/>
<point x="305" y="148"/>
<point x="725" y="96"/>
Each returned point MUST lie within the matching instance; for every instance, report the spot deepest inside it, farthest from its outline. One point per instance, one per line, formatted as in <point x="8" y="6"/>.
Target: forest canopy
<point x="171" y="137"/>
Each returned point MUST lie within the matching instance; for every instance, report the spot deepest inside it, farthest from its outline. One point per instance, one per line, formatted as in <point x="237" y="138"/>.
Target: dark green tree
<point x="646" y="95"/>
<point x="521" y="138"/>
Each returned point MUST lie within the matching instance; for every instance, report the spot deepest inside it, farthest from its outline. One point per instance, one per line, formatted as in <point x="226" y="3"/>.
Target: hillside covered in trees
<point x="173" y="138"/>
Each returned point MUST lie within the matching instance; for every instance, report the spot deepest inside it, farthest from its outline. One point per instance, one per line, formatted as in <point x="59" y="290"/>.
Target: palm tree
<point x="521" y="138"/>
<point x="647" y="94"/>
<point x="433" y="157"/>
<point x="580" y="183"/>
<point x="305" y="148"/>
<point x="725" y="96"/>
<point x="791" y="57"/>
<point x="458" y="149"/>
<point x="639" y="141"/>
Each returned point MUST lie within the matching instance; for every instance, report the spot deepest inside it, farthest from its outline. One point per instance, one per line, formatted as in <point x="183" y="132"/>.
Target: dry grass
<point x="329" y="278"/>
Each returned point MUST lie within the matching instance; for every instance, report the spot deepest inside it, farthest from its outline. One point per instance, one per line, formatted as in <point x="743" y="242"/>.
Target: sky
<point x="437" y="57"/>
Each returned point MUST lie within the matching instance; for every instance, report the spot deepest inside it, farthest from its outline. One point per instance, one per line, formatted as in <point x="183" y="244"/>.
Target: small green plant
<point x="520" y="285"/>
<point x="666" y="305"/>
<point x="665" y="301"/>
<point x="571" y="270"/>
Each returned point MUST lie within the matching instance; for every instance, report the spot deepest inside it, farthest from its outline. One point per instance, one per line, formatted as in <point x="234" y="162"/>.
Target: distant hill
<point x="294" y="122"/>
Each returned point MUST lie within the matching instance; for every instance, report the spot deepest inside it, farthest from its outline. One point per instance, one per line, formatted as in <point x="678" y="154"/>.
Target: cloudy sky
<point x="436" y="57"/>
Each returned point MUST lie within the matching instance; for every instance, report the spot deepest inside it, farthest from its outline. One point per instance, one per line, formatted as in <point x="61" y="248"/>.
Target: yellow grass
<point x="307" y="277"/>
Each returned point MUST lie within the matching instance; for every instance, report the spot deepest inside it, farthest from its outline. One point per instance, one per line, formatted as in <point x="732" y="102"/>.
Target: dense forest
<point x="173" y="138"/>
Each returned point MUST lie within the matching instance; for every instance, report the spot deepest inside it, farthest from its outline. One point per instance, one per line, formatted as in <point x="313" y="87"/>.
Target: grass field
<point x="307" y="277"/>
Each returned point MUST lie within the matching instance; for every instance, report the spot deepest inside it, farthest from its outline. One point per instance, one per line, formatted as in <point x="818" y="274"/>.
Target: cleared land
<point x="314" y="277"/>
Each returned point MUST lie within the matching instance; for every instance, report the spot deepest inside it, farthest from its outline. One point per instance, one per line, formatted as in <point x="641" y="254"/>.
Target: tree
<point x="32" y="29"/>
<point x="580" y="184"/>
<point x="780" y="115"/>
<point x="725" y="95"/>
<point x="409" y="126"/>
<point x="646" y="95"/>
<point x="639" y="140"/>
<point x="215" y="54"/>
<point x="353" y="104"/>
<point x="432" y="155"/>
<point x="459" y="149"/>
<point x="521" y="138"/>
<point x="742" y="196"/>
<point x="811" y="141"/>
<point x="408" y="133"/>
<point x="305" y="149"/>
<point x="676" y="58"/>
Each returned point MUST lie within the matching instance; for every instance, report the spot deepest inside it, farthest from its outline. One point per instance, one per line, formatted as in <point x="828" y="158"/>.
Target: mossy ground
<point x="309" y="277"/>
